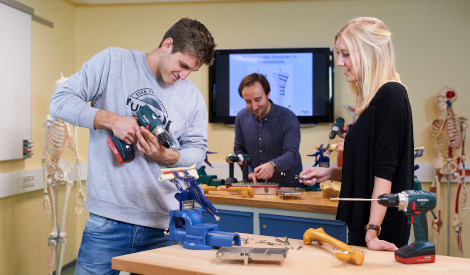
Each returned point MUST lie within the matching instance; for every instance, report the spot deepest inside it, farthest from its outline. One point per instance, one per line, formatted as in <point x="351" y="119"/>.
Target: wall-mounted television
<point x="301" y="79"/>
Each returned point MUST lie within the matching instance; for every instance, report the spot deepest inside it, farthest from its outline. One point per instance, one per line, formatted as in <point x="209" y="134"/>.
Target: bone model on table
<point x="59" y="136"/>
<point x="449" y="138"/>
<point x="346" y="254"/>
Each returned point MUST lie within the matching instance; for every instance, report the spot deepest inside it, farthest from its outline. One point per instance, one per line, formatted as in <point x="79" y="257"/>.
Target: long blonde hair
<point x="369" y="41"/>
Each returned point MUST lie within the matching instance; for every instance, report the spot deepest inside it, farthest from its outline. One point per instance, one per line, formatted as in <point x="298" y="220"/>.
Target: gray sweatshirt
<point x="120" y="81"/>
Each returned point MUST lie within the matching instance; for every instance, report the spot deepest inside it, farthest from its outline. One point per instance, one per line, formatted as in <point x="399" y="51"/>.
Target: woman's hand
<point x="374" y="243"/>
<point x="312" y="175"/>
<point x="378" y="244"/>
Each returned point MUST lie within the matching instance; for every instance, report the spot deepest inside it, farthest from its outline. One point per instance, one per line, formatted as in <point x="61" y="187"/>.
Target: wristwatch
<point x="274" y="165"/>
<point x="374" y="227"/>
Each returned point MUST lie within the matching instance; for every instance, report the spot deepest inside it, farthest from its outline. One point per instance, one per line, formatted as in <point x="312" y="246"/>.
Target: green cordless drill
<point x="415" y="204"/>
<point x="149" y="119"/>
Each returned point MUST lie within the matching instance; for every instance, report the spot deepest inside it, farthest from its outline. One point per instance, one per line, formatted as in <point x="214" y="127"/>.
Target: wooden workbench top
<point x="310" y="201"/>
<point x="311" y="259"/>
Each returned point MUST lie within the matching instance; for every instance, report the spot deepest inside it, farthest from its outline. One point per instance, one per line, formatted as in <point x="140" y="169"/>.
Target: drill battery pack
<point x="416" y="253"/>
<point x="121" y="150"/>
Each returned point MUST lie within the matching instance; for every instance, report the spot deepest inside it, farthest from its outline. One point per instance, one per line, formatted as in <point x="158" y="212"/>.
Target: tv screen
<point x="301" y="79"/>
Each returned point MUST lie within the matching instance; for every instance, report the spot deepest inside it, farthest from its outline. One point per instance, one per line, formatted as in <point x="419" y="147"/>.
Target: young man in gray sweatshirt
<point x="129" y="207"/>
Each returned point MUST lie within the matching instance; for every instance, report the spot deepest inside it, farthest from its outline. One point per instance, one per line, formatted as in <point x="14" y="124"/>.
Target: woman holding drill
<point x="378" y="149"/>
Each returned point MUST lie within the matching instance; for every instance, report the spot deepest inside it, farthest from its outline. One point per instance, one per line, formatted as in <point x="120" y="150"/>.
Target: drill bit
<point x="284" y="174"/>
<point x="352" y="199"/>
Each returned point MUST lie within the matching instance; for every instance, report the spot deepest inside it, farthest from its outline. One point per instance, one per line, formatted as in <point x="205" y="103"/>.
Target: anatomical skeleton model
<point x="449" y="137"/>
<point x="58" y="137"/>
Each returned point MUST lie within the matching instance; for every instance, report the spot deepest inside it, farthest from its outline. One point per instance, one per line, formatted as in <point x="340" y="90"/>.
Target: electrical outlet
<point x="27" y="180"/>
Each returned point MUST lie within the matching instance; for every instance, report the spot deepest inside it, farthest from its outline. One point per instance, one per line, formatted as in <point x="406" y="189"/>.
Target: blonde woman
<point x="378" y="155"/>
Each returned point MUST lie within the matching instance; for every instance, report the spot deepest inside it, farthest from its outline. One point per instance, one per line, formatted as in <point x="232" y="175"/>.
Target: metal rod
<point x="352" y="199"/>
<point x="448" y="215"/>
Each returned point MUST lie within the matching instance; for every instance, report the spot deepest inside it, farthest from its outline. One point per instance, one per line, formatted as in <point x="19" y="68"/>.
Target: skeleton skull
<point x="446" y="97"/>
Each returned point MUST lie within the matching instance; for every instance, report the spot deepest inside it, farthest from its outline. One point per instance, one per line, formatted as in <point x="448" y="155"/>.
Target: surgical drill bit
<point x="352" y="199"/>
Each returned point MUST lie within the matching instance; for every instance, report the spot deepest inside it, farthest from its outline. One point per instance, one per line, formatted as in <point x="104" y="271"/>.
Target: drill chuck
<point x="336" y="127"/>
<point x="162" y="136"/>
<point x="232" y="158"/>
<point x="388" y="200"/>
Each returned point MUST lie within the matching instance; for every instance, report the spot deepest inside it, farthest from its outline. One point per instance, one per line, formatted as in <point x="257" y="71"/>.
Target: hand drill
<point x="337" y="128"/>
<point x="149" y="119"/>
<point x="415" y="205"/>
<point x="243" y="160"/>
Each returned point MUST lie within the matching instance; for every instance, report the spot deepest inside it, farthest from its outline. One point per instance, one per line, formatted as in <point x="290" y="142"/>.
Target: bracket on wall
<point x="26" y="9"/>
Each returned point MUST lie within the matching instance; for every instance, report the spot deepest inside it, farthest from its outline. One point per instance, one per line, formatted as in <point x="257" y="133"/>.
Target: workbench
<point x="311" y="259"/>
<point x="273" y="216"/>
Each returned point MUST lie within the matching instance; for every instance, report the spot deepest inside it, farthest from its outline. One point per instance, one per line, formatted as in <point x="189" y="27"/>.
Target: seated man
<point x="269" y="133"/>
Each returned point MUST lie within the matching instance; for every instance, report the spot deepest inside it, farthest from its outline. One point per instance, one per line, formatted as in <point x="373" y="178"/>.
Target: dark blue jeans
<point x="104" y="239"/>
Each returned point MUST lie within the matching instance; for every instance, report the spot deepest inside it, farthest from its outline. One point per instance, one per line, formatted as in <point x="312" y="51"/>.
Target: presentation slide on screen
<point x="289" y="76"/>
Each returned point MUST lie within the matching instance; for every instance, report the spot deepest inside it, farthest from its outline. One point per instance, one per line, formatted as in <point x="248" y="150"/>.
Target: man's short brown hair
<point x="252" y="79"/>
<point x="192" y="37"/>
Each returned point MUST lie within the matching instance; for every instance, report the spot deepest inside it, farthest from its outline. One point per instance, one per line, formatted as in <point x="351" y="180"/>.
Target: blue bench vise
<point x="187" y="226"/>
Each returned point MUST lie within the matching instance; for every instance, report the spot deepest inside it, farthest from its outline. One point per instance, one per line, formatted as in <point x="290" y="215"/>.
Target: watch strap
<point x="274" y="165"/>
<point x="374" y="227"/>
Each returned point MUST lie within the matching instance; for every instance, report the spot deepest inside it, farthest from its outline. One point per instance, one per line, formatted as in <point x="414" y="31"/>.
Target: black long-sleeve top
<point x="379" y="144"/>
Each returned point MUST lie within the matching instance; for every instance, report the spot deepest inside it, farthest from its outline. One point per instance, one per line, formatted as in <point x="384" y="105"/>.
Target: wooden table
<point x="310" y="201"/>
<point x="311" y="259"/>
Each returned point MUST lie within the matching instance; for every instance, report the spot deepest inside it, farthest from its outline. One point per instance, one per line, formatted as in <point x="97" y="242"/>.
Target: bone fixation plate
<point x="167" y="173"/>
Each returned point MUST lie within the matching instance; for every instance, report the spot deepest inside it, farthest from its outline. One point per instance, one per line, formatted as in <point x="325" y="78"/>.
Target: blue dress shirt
<point x="276" y="138"/>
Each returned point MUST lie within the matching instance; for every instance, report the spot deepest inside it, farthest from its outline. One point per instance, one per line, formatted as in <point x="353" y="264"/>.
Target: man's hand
<point x="126" y="129"/>
<point x="149" y="145"/>
<point x="252" y="177"/>
<point x="264" y="171"/>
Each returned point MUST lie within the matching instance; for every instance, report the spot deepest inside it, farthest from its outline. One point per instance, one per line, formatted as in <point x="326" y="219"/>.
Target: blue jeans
<point x="104" y="239"/>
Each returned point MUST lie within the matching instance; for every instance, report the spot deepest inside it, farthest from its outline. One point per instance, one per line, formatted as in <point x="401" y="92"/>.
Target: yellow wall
<point x="430" y="36"/>
<point x="23" y="226"/>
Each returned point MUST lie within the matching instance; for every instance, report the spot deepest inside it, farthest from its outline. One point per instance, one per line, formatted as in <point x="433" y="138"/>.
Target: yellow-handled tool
<point x="332" y="147"/>
<point x="245" y="191"/>
<point x="208" y="188"/>
<point x="348" y="254"/>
